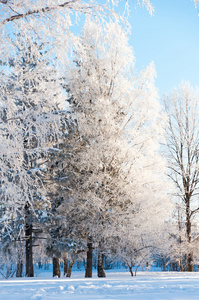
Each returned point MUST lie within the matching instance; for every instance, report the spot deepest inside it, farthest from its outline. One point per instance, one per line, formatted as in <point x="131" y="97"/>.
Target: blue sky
<point x="170" y="38"/>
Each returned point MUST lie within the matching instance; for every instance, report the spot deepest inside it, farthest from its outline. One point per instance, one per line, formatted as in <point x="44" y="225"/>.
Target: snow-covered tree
<point x="50" y="21"/>
<point x="44" y="23"/>
<point x="117" y="170"/>
<point x="115" y="113"/>
<point x="40" y="9"/>
<point x="182" y="153"/>
<point x="29" y="125"/>
<point x="29" y="118"/>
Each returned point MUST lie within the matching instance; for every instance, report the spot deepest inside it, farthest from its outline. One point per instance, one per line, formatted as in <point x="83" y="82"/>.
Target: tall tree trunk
<point x="19" y="272"/>
<point x="180" y="239"/>
<point x="89" y="262"/>
<point x="185" y="262"/>
<point x="100" y="264"/>
<point x="56" y="267"/>
<point x="131" y="269"/>
<point x="65" y="264"/>
<point x="188" y="231"/>
<point x="181" y="263"/>
<point x="70" y="268"/>
<point x="190" y="262"/>
<point x="163" y="264"/>
<point x="28" y="237"/>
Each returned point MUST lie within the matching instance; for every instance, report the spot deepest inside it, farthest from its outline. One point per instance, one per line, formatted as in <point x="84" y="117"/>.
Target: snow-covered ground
<point x="117" y="285"/>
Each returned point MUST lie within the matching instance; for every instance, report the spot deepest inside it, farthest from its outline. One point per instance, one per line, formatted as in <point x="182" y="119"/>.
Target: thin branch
<point x="10" y="119"/>
<point x="38" y="11"/>
<point x="3" y="275"/>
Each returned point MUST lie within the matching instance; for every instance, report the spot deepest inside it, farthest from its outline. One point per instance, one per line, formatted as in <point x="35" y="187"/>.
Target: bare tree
<point x="183" y="155"/>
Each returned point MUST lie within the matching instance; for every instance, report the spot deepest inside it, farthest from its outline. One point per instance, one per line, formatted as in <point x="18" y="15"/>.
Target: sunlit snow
<point x="117" y="285"/>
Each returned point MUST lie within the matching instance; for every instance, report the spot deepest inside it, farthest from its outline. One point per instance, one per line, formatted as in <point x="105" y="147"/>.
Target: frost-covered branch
<point x="68" y="4"/>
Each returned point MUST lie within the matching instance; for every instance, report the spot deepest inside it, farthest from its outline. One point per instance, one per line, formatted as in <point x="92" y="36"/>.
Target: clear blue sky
<point x="170" y="38"/>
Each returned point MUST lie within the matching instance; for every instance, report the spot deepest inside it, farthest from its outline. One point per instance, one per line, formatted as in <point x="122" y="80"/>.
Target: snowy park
<point x="117" y="286"/>
<point x="99" y="149"/>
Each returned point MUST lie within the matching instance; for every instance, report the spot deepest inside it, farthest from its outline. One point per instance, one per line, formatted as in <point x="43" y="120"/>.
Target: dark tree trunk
<point x="89" y="263"/>
<point x="28" y="237"/>
<point x="188" y="231"/>
<point x="100" y="265"/>
<point x="65" y="264"/>
<point x="163" y="264"/>
<point x="185" y="262"/>
<point x="131" y="269"/>
<point x="180" y="239"/>
<point x="70" y="268"/>
<point x="19" y="272"/>
<point x="173" y="266"/>
<point x="181" y="264"/>
<point x="56" y="267"/>
<point x="190" y="262"/>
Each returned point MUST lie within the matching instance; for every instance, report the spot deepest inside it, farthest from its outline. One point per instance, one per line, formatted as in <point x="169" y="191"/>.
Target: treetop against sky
<point x="166" y="32"/>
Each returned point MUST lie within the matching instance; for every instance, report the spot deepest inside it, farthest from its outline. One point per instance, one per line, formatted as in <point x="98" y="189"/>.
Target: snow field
<point x="116" y="286"/>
